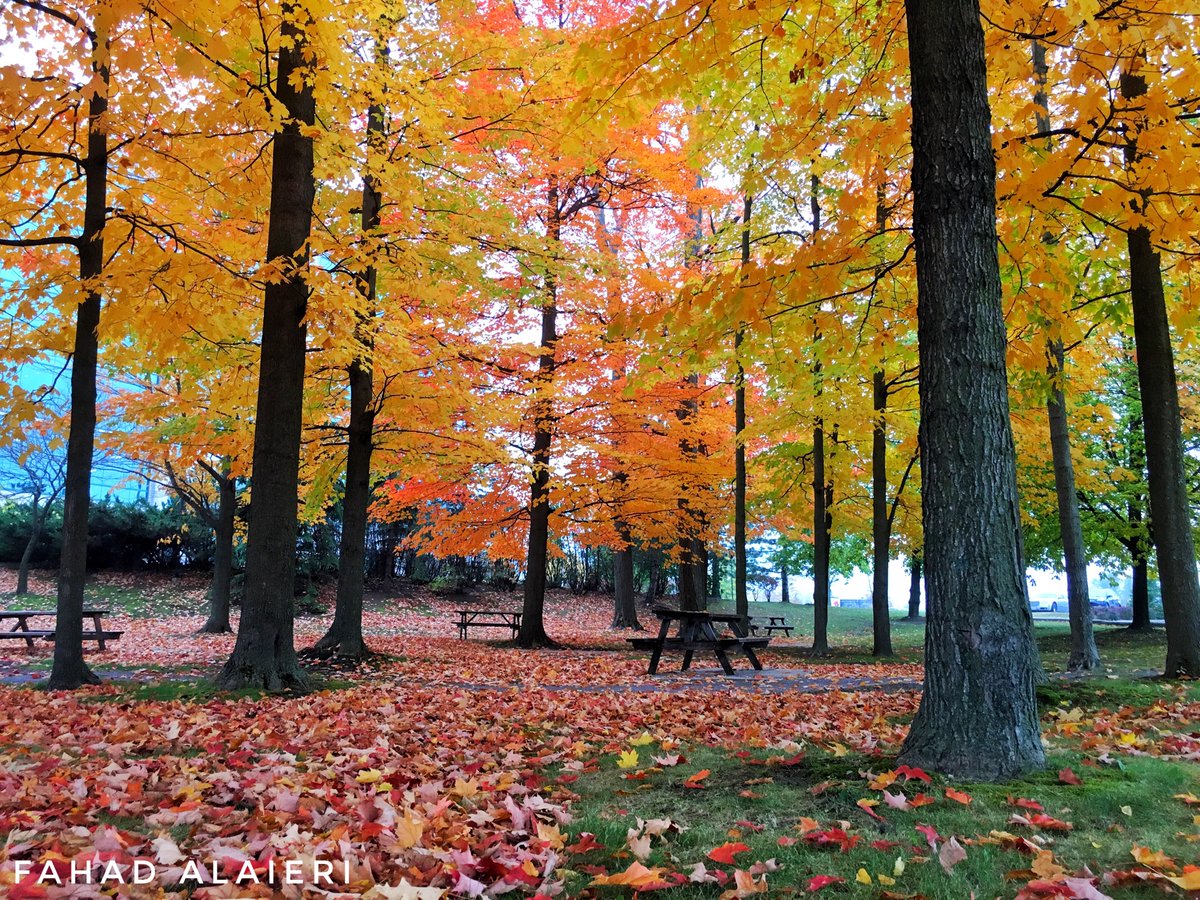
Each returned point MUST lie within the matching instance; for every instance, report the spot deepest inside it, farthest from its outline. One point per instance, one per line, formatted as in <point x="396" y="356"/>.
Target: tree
<point x="37" y="469"/>
<point x="265" y="655"/>
<point x="978" y="715"/>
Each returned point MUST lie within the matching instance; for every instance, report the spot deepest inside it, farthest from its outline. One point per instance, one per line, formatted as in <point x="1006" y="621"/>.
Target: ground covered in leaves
<point x="473" y="769"/>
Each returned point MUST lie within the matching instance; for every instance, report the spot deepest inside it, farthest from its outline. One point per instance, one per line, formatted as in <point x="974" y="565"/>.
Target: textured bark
<point x="533" y="628"/>
<point x="624" y="601"/>
<point x="881" y="526"/>
<point x="914" y="588"/>
<point x="700" y="571"/>
<point x="654" y="587"/>
<point x="785" y="595"/>
<point x="714" y="576"/>
<point x="1170" y="513"/>
<point x="1083" y="657"/>
<point x="69" y="670"/>
<point x="265" y="655"/>
<point x="218" y="599"/>
<point x="978" y="715"/>
<point x="1140" y="594"/>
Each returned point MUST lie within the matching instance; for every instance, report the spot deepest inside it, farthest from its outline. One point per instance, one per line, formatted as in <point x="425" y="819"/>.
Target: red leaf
<point x="1067" y="776"/>
<point x="964" y="799"/>
<point x="725" y="853"/>
<point x="823" y="881"/>
<point x="910" y="773"/>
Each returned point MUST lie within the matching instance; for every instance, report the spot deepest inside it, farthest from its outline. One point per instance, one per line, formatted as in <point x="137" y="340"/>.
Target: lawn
<point x="452" y="768"/>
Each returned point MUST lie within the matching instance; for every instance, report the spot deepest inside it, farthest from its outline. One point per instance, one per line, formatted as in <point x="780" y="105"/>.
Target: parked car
<point x="1107" y="601"/>
<point x="1038" y="605"/>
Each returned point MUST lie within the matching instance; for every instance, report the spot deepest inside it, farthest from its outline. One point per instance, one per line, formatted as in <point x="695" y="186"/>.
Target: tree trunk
<point x="218" y="601"/>
<point x="700" y="571"/>
<point x="881" y="526"/>
<point x="69" y="670"/>
<point x="345" y="634"/>
<point x="978" y="716"/>
<point x="533" y="628"/>
<point x="37" y="519"/>
<point x="265" y="655"/>
<point x="741" y="601"/>
<point x="714" y="578"/>
<point x="820" y="545"/>
<point x="1084" y="657"/>
<point x="1140" y="594"/>
<point x="914" y="588"/>
<point x="624" y="602"/>
<point x="654" y="578"/>
<point x="784" y="591"/>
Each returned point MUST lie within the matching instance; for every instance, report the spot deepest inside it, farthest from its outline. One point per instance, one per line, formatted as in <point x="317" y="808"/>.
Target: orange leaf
<point x="725" y="853"/>
<point x="964" y="799"/>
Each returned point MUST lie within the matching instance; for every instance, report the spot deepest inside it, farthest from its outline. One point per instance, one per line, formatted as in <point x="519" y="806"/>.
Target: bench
<point x="774" y="624"/>
<point x="488" y="618"/>
<point x="697" y="632"/>
<point x="22" y="631"/>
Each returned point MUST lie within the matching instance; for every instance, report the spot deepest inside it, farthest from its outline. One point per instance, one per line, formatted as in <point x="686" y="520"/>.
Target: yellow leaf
<point x="863" y="877"/>
<point x="886" y="880"/>
<point x="642" y="740"/>
<point x="1189" y="881"/>
<point x="898" y="868"/>
<point x="369" y="776"/>
<point x="628" y="759"/>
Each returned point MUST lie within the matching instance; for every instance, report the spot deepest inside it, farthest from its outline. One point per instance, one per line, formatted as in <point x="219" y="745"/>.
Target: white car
<point x="1042" y="605"/>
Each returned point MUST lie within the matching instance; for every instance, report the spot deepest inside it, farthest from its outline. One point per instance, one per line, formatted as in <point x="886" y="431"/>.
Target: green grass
<point x="1102" y="837"/>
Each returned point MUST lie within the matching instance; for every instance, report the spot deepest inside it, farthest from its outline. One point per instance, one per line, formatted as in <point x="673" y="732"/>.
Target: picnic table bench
<point x="774" y="624"/>
<point x="697" y="631"/>
<point x="488" y="618"/>
<point x="21" y="629"/>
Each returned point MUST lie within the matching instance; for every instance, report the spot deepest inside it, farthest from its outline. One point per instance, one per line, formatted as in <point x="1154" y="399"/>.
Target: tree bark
<point x="533" y="628"/>
<point x="265" y="655"/>
<point x="784" y="591"/>
<point x="741" y="598"/>
<point x="881" y="525"/>
<point x="820" y="545"/>
<point x="714" y="577"/>
<point x="69" y="670"/>
<point x="978" y="715"/>
<point x="1084" y="656"/>
<point x="218" y="600"/>
<point x="1139" y="597"/>
<point x="914" y="588"/>
<point x="624" y="601"/>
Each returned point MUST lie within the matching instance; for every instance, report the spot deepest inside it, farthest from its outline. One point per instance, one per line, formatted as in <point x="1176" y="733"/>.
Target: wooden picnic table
<point x="697" y="630"/>
<point x="774" y="624"/>
<point x="488" y="618"/>
<point x="21" y="629"/>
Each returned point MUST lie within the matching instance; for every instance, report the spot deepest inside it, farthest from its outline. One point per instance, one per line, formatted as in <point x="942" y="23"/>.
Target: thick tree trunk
<point x="785" y="595"/>
<point x="624" y="601"/>
<point x="69" y="670"/>
<point x="265" y="655"/>
<point x="700" y="571"/>
<point x="820" y="545"/>
<point x="1140" y="593"/>
<point x="37" y="519"/>
<point x="218" y="600"/>
<point x="533" y="628"/>
<point x="978" y="715"/>
<point x="914" y="589"/>
<point x="1084" y="657"/>
<point x="881" y="526"/>
<point x="714" y="576"/>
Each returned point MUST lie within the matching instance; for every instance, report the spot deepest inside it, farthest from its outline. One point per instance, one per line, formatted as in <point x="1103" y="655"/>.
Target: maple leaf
<point x="694" y="781"/>
<point x="667" y="760"/>
<point x="725" y="853"/>
<point x="1148" y="857"/>
<point x="1189" y="880"/>
<point x="641" y="740"/>
<point x="637" y="876"/>
<point x="1067" y="775"/>
<point x="958" y="796"/>
<point x="817" y="882"/>
<point x="627" y="759"/>
<point x="951" y="854"/>
<point x="404" y="891"/>
<point x="745" y="885"/>
<point x="896" y="801"/>
<point x="911" y="773"/>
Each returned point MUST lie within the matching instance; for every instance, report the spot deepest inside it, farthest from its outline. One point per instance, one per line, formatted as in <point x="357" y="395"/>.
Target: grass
<point x="1114" y="808"/>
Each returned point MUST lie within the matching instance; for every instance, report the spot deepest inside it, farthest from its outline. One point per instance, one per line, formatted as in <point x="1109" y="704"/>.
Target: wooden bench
<point x="697" y="632"/>
<point x="22" y="631"/>
<point x="488" y="618"/>
<point x="774" y="624"/>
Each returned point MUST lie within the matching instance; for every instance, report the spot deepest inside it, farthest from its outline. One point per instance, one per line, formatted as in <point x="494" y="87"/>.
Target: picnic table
<point x="697" y="630"/>
<point x="774" y="624"/>
<point x="21" y="629"/>
<point x="488" y="618"/>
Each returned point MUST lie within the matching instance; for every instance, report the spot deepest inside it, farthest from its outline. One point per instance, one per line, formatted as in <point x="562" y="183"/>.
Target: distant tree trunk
<point x="69" y="670"/>
<point x="654" y="588"/>
<point x="914" y="588"/>
<point x="700" y="571"/>
<point x="265" y="655"/>
<point x="881" y="525"/>
<point x="37" y="519"/>
<point x="784" y="591"/>
<point x="714" y="578"/>
<point x="1083" y="657"/>
<point x="821" y="498"/>
<point x="1139" y="597"/>
<point x="345" y="634"/>
<point x="741" y="598"/>
<point x="533" y="628"/>
<point x="978" y="716"/>
<point x="624" y="601"/>
<point x="223" y="528"/>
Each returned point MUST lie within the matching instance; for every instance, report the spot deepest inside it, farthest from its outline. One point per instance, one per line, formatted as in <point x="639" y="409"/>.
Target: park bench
<point x="21" y="630"/>
<point x="697" y="631"/>
<point x="488" y="618"/>
<point x="774" y="624"/>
